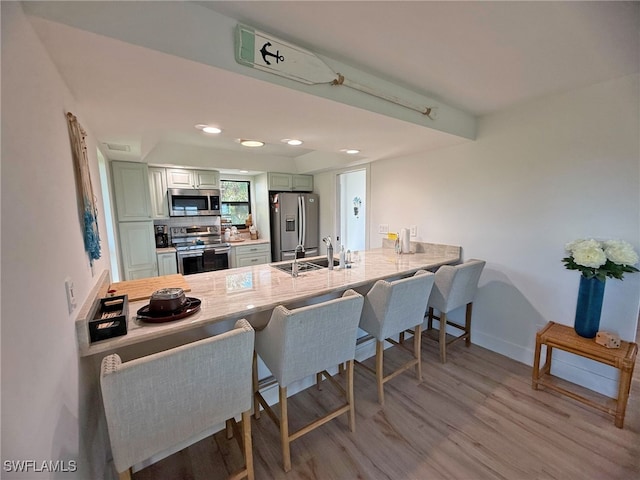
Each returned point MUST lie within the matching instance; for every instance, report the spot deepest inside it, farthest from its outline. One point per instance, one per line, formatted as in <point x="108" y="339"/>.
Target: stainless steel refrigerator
<point x="295" y="220"/>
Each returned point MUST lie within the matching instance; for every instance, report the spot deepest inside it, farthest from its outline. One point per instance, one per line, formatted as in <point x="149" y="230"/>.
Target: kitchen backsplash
<point x="202" y="221"/>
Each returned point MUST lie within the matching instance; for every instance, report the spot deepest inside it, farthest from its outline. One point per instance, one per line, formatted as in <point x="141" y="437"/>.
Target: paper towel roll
<point x="405" y="243"/>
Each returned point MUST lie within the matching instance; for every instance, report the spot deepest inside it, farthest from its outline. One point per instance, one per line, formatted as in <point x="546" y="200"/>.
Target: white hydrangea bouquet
<point x="601" y="259"/>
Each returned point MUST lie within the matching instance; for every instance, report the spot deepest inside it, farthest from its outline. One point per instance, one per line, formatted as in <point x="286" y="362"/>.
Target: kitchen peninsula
<point x="252" y="292"/>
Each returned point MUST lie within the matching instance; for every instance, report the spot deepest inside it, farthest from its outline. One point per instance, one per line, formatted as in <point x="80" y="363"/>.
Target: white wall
<point x="43" y="400"/>
<point x="538" y="176"/>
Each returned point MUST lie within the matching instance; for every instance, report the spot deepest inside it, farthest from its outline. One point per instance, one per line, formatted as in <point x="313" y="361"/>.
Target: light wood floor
<point x="475" y="417"/>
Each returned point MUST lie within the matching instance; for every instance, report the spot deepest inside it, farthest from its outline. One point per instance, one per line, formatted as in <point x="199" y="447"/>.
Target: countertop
<point x="243" y="292"/>
<point x="249" y="242"/>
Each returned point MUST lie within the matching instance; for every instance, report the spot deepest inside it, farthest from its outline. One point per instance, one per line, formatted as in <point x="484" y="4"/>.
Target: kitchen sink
<point x="305" y="265"/>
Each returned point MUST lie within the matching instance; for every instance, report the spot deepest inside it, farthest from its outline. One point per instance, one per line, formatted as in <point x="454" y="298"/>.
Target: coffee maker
<point x="162" y="236"/>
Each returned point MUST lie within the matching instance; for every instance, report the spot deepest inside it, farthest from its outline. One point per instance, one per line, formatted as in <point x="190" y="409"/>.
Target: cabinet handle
<point x="254" y="259"/>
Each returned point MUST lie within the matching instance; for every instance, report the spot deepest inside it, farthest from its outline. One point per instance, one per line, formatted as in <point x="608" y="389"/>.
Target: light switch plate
<point x="383" y="228"/>
<point x="71" y="296"/>
<point x="414" y="231"/>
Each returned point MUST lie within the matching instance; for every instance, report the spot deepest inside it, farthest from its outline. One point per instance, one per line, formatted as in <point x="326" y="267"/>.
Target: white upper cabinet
<point x="187" y="178"/>
<point x="286" y="182"/>
<point x="207" y="178"/>
<point x="279" y="181"/>
<point x="158" y="190"/>
<point x="131" y="190"/>
<point x="302" y="183"/>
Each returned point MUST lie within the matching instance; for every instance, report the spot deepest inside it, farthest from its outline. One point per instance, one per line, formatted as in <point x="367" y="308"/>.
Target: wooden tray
<point x="144" y="288"/>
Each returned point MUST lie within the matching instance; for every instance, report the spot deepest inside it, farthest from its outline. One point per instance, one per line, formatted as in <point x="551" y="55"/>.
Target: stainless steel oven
<point x="203" y="260"/>
<point x="200" y="249"/>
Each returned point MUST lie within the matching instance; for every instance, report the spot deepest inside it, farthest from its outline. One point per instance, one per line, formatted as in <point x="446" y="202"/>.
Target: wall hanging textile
<point x="86" y="198"/>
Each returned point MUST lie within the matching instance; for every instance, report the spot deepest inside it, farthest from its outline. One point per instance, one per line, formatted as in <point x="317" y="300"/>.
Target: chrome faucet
<point x="294" y="266"/>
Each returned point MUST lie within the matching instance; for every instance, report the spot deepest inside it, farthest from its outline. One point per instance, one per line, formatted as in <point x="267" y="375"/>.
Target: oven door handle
<point x="190" y="254"/>
<point x="218" y="250"/>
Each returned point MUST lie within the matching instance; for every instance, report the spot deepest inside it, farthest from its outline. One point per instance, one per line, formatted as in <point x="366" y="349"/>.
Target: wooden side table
<point x="554" y="335"/>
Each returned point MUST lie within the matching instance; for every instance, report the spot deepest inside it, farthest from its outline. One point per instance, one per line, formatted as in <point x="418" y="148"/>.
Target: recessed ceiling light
<point x="350" y="151"/>
<point x="243" y="171"/>
<point x="251" y="143"/>
<point x="292" y="141"/>
<point x="207" y="128"/>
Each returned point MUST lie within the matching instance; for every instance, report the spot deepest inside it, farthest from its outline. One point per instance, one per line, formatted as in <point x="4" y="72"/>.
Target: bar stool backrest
<point x="156" y="402"/>
<point x="392" y="307"/>
<point x="301" y="342"/>
<point x="455" y="286"/>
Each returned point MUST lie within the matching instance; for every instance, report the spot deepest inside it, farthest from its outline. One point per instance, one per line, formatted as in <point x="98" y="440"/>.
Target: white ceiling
<point x="480" y="57"/>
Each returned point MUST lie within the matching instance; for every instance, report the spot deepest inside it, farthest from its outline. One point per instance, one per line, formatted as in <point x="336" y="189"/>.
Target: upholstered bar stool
<point x="169" y="399"/>
<point x="389" y="309"/>
<point x="306" y="341"/>
<point x="455" y="287"/>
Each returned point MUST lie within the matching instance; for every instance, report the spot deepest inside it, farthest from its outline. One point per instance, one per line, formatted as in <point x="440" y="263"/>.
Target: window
<point x="236" y="201"/>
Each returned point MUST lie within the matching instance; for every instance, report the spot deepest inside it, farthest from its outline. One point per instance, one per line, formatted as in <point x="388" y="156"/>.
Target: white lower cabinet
<point x="167" y="263"/>
<point x="248" y="255"/>
<point x="138" y="247"/>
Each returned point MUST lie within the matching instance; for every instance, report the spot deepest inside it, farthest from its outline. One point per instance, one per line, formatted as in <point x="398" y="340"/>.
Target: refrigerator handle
<point x="300" y="223"/>
<point x="304" y="220"/>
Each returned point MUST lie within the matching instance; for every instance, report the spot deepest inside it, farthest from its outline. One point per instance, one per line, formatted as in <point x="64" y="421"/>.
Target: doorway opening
<point x="352" y="212"/>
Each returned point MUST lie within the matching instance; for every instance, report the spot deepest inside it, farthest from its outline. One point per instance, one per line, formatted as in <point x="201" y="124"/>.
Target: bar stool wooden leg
<point x="126" y="475"/>
<point x="417" y="345"/>
<point x="256" y="402"/>
<point x="247" y="444"/>
<point x="229" y="429"/>
<point x="442" y="334"/>
<point x="379" y="372"/>
<point x="284" y="430"/>
<point x="352" y="407"/>
<point x="467" y="324"/>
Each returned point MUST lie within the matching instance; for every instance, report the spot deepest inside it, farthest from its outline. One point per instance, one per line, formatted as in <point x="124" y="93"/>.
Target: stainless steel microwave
<point x="185" y="202"/>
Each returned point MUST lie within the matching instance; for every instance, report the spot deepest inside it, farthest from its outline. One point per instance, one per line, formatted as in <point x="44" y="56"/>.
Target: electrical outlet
<point x="414" y="231"/>
<point x="383" y="228"/>
<point x="71" y="296"/>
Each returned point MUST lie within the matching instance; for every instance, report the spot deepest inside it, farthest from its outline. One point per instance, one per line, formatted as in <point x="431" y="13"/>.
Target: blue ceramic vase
<point x="589" y="307"/>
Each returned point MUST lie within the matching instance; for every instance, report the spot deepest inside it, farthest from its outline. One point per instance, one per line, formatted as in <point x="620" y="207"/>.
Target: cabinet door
<point x="167" y="264"/>
<point x="131" y="191"/>
<point x="207" y="179"/>
<point x="180" y="178"/>
<point x="247" y="261"/>
<point x="158" y="191"/>
<point x="302" y="183"/>
<point x="248" y="255"/>
<point x="138" y="249"/>
<point x="280" y="182"/>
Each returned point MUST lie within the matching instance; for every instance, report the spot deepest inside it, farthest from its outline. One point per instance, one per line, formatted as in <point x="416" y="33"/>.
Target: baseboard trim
<point x="586" y="373"/>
